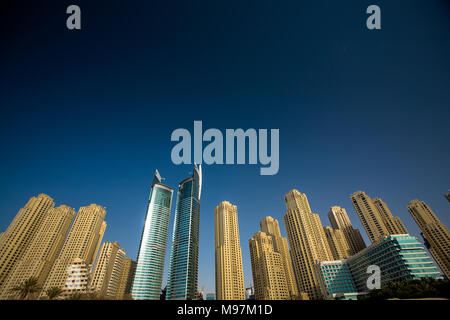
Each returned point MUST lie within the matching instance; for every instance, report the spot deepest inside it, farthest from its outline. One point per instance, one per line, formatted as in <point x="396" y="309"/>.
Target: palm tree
<point x="26" y="289"/>
<point x="53" y="292"/>
<point x="74" y="296"/>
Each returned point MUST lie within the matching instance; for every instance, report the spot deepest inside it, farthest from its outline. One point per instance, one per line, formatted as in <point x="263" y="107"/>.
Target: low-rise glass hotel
<point x="399" y="257"/>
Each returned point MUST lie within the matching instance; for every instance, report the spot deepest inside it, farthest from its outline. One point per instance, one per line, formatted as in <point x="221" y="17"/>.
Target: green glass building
<point x="336" y="280"/>
<point x="152" y="250"/>
<point x="399" y="257"/>
<point x="183" y="271"/>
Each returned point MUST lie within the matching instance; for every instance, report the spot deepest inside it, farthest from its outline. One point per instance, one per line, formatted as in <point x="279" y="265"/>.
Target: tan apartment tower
<point x="229" y="271"/>
<point x="43" y="250"/>
<point x="434" y="233"/>
<point x="340" y="221"/>
<point x="18" y="236"/>
<point x="339" y="246"/>
<point x="269" y="277"/>
<point x="271" y="227"/>
<point x="393" y="224"/>
<point x="108" y="270"/>
<point x="376" y="217"/>
<point x="126" y="279"/>
<point x="307" y="241"/>
<point x="72" y="267"/>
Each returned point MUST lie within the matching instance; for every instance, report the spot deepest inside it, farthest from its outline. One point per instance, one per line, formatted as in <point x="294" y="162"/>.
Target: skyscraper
<point x="307" y="240"/>
<point x="393" y="224"/>
<point x="108" y="270"/>
<point x="434" y="233"/>
<point x="339" y="246"/>
<point x="16" y="239"/>
<point x="183" y="271"/>
<point x="229" y="272"/>
<point x="271" y="227"/>
<point x="126" y="279"/>
<point x="340" y="221"/>
<point x="152" y="249"/>
<point x="376" y="217"/>
<point x="269" y="277"/>
<point x="72" y="267"/>
<point x="43" y="250"/>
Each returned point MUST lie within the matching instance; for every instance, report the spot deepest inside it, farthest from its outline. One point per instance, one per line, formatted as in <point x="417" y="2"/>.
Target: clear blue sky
<point x="87" y="115"/>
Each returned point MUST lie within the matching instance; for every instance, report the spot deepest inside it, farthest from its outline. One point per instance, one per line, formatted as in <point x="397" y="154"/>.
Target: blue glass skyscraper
<point x="183" y="271"/>
<point x="152" y="249"/>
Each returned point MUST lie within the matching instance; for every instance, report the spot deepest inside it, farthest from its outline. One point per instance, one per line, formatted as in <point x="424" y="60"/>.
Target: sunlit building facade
<point x="43" y="250"/>
<point x="71" y="270"/>
<point x="152" y="250"/>
<point x="20" y="233"/>
<point x="434" y="233"/>
<point x="307" y="241"/>
<point x="228" y="254"/>
<point x="271" y="227"/>
<point x="376" y="217"/>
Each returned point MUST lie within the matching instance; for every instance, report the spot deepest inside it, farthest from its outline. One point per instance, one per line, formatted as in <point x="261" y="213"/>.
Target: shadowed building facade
<point x="340" y="221"/>
<point x="108" y="270"/>
<point x="339" y="247"/>
<point x="152" y="250"/>
<point x="434" y="233"/>
<point x="126" y="279"/>
<point x="228" y="254"/>
<point x="183" y="270"/>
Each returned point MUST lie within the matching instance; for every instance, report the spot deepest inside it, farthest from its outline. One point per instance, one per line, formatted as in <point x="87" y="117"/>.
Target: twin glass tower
<point x="183" y="269"/>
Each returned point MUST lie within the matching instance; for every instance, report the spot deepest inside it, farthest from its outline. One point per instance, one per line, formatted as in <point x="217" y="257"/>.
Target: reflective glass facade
<point x="400" y="257"/>
<point x="336" y="278"/>
<point x="183" y="271"/>
<point x="150" y="263"/>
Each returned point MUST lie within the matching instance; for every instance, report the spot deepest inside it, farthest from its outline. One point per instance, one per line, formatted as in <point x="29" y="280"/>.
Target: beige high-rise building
<point x="376" y="217"/>
<point x="340" y="221"/>
<point x="339" y="246"/>
<point x="229" y="271"/>
<point x="269" y="277"/>
<point x="271" y="227"/>
<point x="105" y="278"/>
<point x="126" y="279"/>
<point x="72" y="267"/>
<point x="43" y="250"/>
<point x="17" y="238"/>
<point x="434" y="232"/>
<point x="393" y="224"/>
<point x="307" y="241"/>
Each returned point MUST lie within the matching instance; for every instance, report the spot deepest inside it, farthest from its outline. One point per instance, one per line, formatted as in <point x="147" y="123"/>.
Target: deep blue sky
<point x="87" y="115"/>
